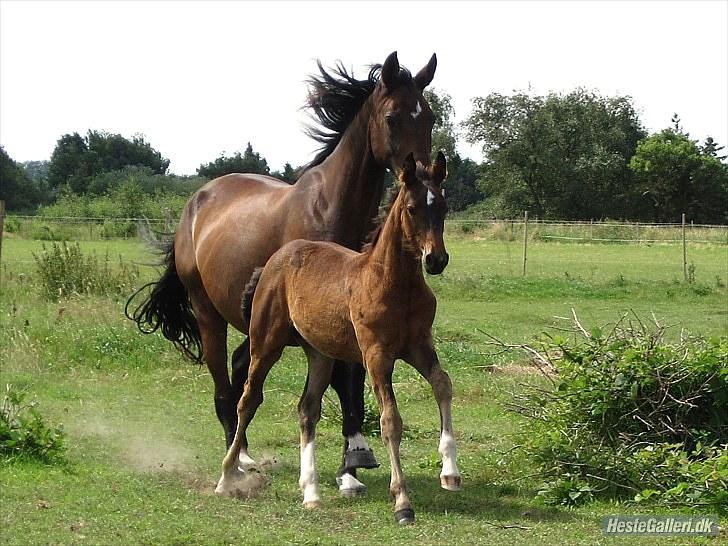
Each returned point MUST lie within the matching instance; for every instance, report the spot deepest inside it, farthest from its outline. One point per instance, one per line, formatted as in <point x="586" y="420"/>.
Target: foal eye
<point x="411" y="209"/>
<point x="391" y="120"/>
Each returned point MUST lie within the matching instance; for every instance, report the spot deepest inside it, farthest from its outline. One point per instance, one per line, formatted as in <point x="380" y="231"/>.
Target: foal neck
<point x="393" y="253"/>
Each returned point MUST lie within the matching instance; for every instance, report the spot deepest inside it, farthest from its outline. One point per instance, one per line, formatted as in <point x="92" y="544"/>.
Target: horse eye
<point x="391" y="120"/>
<point x="411" y="209"/>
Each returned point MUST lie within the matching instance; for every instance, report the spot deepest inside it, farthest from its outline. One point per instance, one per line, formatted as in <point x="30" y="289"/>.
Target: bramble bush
<point x="630" y="415"/>
<point x="24" y="433"/>
<point x="64" y="270"/>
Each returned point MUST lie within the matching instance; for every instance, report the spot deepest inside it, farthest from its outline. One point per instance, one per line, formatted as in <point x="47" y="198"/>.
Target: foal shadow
<point x="477" y="498"/>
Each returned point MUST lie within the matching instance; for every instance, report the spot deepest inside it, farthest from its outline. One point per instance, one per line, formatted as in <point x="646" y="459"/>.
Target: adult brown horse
<point x="377" y="310"/>
<point x="234" y="223"/>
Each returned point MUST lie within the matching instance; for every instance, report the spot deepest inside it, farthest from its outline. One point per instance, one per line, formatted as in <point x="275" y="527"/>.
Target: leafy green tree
<point x="76" y="160"/>
<point x="247" y="162"/>
<point x="288" y="174"/>
<point x="17" y="189"/>
<point x="37" y="171"/>
<point x="461" y="186"/>
<point x="674" y="175"/>
<point x="559" y="156"/>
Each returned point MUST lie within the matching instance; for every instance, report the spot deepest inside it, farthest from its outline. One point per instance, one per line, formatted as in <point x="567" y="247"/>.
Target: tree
<point x="16" y="188"/>
<point x="674" y="175"/>
<point x="248" y="162"/>
<point x="288" y="174"/>
<point x="559" y="156"/>
<point x="76" y="160"/>
<point x="461" y="185"/>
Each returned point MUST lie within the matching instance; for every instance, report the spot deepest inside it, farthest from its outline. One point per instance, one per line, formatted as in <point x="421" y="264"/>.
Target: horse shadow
<point x="477" y="499"/>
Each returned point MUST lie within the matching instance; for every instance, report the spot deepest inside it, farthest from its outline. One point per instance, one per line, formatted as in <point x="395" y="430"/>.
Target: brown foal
<point x="376" y="309"/>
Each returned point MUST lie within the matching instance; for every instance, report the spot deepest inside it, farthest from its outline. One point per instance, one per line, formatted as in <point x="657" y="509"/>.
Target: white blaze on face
<point x="417" y="112"/>
<point x="430" y="198"/>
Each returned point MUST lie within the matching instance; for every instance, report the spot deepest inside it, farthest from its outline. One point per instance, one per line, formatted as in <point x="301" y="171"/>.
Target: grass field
<point x="144" y="445"/>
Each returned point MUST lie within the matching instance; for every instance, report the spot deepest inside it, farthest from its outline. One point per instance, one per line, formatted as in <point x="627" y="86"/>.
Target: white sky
<point x="200" y="78"/>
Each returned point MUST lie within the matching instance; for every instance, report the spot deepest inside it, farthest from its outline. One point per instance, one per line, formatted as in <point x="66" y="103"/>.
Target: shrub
<point x="64" y="270"/>
<point x="631" y="415"/>
<point x="24" y="433"/>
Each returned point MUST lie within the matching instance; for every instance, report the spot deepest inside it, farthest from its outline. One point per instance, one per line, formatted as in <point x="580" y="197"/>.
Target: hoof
<point x="405" y="516"/>
<point x="360" y="458"/>
<point x="353" y="492"/>
<point x="350" y="487"/>
<point x="312" y="505"/>
<point x="451" y="483"/>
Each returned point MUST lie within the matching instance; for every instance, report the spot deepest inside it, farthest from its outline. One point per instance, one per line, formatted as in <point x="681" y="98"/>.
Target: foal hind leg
<point x="424" y="359"/>
<point x="309" y="414"/>
<point x="347" y="380"/>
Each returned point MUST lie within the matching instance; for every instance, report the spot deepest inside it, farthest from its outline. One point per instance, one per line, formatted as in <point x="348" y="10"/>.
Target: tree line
<point x="572" y="156"/>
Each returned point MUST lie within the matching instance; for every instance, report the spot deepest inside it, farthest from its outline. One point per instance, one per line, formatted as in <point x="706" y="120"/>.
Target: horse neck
<point x="351" y="182"/>
<point x="394" y="258"/>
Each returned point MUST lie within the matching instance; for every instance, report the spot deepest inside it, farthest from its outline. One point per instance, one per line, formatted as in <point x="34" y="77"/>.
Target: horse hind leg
<point x="309" y="412"/>
<point x="347" y="380"/>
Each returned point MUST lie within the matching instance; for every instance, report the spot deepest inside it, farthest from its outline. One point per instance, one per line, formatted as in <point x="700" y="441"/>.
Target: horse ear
<point x="424" y="76"/>
<point x="439" y="169"/>
<point x="390" y="71"/>
<point x="409" y="170"/>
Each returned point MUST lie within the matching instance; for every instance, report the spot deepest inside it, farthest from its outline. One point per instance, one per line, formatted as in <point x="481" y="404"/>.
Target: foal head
<point x="424" y="205"/>
<point x="401" y="121"/>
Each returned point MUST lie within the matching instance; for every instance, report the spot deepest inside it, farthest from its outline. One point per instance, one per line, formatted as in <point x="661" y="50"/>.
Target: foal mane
<point x="372" y="238"/>
<point x="335" y="97"/>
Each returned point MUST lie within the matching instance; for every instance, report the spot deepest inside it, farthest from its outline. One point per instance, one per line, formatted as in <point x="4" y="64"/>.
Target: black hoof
<point x="405" y="516"/>
<point x="360" y="458"/>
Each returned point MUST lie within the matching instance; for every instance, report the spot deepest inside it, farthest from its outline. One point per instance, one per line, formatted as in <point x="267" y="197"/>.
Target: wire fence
<point x="536" y="247"/>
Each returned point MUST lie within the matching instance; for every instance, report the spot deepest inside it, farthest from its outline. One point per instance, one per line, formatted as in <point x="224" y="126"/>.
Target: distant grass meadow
<point x="144" y="446"/>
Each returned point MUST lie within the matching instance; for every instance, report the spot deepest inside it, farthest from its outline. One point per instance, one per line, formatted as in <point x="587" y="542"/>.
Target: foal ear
<point x="439" y="169"/>
<point x="409" y="170"/>
<point x="390" y="71"/>
<point x="424" y="76"/>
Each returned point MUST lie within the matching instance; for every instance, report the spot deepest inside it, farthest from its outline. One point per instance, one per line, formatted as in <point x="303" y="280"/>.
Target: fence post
<point x="525" y="240"/>
<point x="685" y="250"/>
<point x="2" y="223"/>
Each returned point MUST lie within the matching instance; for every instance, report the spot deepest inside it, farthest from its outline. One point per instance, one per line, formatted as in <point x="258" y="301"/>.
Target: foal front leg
<point x="309" y="413"/>
<point x="424" y="360"/>
<point x="380" y="370"/>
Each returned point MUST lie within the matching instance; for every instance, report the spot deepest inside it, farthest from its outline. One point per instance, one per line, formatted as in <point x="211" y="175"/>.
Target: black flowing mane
<point x="335" y="97"/>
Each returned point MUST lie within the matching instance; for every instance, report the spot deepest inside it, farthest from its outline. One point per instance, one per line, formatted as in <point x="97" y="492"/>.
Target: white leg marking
<point x="356" y="442"/>
<point x="309" y="481"/>
<point x="448" y="451"/>
<point x="245" y="461"/>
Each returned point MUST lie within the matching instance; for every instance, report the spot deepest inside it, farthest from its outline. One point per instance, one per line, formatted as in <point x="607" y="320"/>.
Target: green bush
<point x="64" y="271"/>
<point x="24" y="433"/>
<point x="631" y="415"/>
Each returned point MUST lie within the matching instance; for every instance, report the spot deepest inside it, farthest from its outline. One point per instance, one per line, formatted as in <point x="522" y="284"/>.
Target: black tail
<point x="246" y="304"/>
<point x="168" y="307"/>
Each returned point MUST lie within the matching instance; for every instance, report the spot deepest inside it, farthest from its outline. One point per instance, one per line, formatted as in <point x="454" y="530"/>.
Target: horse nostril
<point x="430" y="260"/>
<point x="445" y="260"/>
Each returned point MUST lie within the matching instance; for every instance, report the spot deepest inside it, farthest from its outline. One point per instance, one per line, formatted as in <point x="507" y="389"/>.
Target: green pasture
<point x="144" y="446"/>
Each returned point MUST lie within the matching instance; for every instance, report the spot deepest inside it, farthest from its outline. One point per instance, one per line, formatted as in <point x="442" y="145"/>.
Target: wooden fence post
<point x="2" y="223"/>
<point x="685" y="250"/>
<point x="525" y="240"/>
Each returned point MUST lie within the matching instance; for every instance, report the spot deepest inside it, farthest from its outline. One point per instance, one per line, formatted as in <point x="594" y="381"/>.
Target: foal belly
<point x="328" y="333"/>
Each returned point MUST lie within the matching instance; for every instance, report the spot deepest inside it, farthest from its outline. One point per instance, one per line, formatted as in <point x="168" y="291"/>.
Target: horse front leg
<point x="424" y="359"/>
<point x="380" y="368"/>
<point x="347" y="380"/>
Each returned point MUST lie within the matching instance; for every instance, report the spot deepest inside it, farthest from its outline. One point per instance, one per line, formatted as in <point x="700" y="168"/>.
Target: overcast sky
<point x="200" y="78"/>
